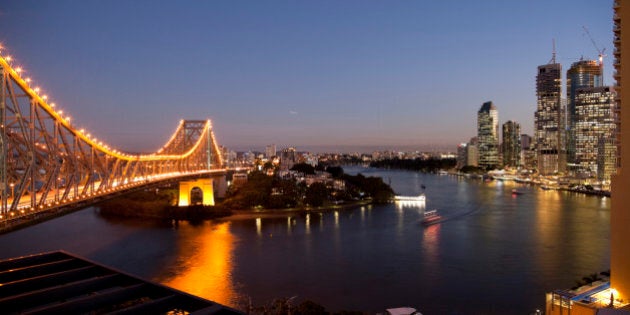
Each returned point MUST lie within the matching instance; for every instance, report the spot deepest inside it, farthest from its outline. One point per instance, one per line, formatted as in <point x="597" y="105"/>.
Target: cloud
<point x="292" y="112"/>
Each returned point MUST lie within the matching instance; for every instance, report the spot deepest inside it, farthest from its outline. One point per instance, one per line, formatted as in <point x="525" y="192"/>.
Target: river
<point x="495" y="253"/>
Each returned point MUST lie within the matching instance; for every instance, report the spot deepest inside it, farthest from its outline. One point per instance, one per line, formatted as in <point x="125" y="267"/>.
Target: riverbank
<point x="543" y="183"/>
<point x="281" y="213"/>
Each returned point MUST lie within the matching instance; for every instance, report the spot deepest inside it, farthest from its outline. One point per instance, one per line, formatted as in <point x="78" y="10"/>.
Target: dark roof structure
<point x="61" y="283"/>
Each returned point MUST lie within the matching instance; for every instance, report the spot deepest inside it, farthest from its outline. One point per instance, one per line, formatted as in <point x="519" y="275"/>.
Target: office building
<point x="461" y="155"/>
<point x="594" y="121"/>
<point x="549" y="119"/>
<point x="488" y="135"/>
<point x="582" y="74"/>
<point x="511" y="144"/>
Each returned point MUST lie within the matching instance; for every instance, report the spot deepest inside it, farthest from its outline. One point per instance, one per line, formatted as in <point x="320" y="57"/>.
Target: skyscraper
<point x="594" y="122"/>
<point x="549" y="119"/>
<point x="582" y="74"/>
<point x="511" y="144"/>
<point x="488" y="135"/>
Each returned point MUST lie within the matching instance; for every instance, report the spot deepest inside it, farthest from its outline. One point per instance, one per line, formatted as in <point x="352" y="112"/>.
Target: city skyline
<point x="297" y="74"/>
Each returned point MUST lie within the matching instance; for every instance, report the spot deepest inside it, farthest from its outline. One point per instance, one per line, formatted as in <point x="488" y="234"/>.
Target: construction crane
<point x="599" y="51"/>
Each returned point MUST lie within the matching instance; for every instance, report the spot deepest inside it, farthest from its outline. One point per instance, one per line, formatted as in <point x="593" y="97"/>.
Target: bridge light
<point x="45" y="97"/>
<point x="18" y="69"/>
<point x="36" y="89"/>
<point x="52" y="104"/>
<point x="8" y="58"/>
<point x="28" y="80"/>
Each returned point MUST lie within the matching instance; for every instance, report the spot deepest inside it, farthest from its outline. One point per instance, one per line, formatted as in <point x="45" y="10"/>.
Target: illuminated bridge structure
<point x="47" y="164"/>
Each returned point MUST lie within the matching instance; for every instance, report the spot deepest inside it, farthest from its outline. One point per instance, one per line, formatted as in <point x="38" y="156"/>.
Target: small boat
<point x="516" y="192"/>
<point x="420" y="197"/>
<point x="431" y="217"/>
<point x="545" y="187"/>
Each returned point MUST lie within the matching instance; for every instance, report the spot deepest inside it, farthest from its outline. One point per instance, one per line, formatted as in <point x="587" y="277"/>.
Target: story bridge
<point x="47" y="165"/>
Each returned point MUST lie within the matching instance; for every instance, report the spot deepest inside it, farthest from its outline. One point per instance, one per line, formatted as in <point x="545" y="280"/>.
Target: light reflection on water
<point x="205" y="263"/>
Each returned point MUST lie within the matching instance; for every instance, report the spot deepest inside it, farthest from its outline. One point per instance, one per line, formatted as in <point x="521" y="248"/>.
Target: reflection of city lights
<point x="258" y="226"/>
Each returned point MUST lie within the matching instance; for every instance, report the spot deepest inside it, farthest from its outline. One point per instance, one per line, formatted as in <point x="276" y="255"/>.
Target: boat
<point x="516" y="192"/>
<point x="545" y="187"/>
<point x="431" y="217"/>
<point x="418" y="198"/>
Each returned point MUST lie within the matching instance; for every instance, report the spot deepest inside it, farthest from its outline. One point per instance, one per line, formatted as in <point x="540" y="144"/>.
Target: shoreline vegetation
<point x="261" y="196"/>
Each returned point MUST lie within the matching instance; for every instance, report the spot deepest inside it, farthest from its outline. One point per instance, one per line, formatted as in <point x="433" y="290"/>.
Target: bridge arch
<point x="186" y="189"/>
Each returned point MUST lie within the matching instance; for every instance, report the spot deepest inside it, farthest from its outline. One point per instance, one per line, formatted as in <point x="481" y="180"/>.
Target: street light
<point x="12" y="189"/>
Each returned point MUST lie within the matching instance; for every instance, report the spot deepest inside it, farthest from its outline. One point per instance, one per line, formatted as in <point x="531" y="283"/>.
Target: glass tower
<point x="488" y="135"/>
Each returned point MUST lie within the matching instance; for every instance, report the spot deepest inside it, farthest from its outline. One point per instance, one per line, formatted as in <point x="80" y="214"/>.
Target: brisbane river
<point x="495" y="253"/>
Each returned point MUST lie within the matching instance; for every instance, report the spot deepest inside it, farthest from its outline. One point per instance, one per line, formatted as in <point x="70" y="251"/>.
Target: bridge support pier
<point x="204" y="184"/>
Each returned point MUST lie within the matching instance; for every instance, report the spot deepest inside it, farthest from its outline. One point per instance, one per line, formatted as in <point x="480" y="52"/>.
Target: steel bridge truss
<point x="45" y="162"/>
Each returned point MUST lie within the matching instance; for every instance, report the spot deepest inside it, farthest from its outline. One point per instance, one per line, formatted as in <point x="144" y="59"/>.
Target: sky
<point x="297" y="73"/>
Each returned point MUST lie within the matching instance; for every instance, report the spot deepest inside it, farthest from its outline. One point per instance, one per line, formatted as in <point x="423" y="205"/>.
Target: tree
<point x="316" y="194"/>
<point x="335" y="171"/>
<point x="304" y="168"/>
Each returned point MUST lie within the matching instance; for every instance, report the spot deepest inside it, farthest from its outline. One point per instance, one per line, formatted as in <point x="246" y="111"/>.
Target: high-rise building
<point x="549" y="119"/>
<point x="511" y="144"/>
<point x="461" y="155"/>
<point x="594" y="121"/>
<point x="270" y="151"/>
<point x="472" y="152"/>
<point x="582" y="74"/>
<point x="488" y="135"/>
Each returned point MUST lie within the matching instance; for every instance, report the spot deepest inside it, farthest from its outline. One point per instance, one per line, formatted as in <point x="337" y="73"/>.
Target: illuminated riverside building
<point x="488" y="135"/>
<point x="467" y="154"/>
<point x="594" y="121"/>
<point x="549" y="119"/>
<point x="582" y="74"/>
<point x="511" y="144"/>
<point x="606" y="160"/>
<point x="611" y="297"/>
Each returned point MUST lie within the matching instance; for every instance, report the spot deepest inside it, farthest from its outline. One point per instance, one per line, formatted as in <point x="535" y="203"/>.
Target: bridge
<point x="47" y="165"/>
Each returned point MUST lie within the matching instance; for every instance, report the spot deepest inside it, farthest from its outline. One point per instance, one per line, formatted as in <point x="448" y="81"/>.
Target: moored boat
<point x="420" y="197"/>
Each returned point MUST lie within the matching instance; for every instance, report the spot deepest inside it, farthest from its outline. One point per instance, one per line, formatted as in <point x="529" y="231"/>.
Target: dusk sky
<point x="297" y="73"/>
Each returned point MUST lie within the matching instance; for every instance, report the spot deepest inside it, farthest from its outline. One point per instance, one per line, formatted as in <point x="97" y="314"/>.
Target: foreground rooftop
<point x="594" y="298"/>
<point x="61" y="283"/>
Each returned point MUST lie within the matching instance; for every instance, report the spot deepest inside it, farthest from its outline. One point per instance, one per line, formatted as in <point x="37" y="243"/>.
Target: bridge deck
<point x="61" y="283"/>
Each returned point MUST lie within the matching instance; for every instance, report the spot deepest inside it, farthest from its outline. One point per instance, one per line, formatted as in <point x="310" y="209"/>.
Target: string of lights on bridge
<point x="42" y="99"/>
